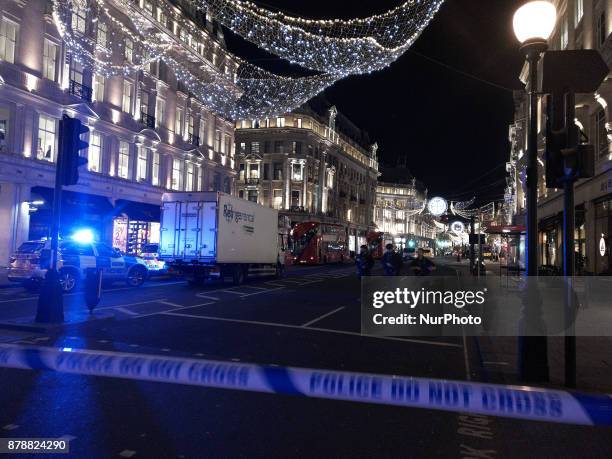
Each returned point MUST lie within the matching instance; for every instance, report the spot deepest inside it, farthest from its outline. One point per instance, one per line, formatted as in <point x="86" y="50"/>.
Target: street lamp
<point x="533" y="24"/>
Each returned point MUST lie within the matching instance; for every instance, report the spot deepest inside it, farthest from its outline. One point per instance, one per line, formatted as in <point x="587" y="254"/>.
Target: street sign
<point x="580" y="70"/>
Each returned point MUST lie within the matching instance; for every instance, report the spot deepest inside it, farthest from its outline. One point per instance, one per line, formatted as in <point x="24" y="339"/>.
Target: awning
<point x="138" y="211"/>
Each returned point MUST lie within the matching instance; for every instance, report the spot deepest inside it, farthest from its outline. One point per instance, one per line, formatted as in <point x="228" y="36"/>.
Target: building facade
<point x="148" y="134"/>
<point x="581" y="24"/>
<point x="305" y="166"/>
<point x="400" y="214"/>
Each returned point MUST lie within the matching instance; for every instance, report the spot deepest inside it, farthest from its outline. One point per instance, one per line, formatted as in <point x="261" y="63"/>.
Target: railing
<point x="193" y="140"/>
<point x="297" y="209"/>
<point x="147" y="120"/>
<point x="252" y="181"/>
<point x="77" y="89"/>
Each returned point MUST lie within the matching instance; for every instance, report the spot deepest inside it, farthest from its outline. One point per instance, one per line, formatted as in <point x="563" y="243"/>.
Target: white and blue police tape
<point x="537" y="404"/>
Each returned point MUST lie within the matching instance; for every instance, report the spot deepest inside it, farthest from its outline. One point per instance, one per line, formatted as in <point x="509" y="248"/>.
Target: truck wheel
<point x="238" y="275"/>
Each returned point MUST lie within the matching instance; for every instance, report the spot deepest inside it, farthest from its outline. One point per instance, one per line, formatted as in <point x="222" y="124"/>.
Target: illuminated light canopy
<point x="535" y="21"/>
<point x="231" y="87"/>
<point x="437" y="206"/>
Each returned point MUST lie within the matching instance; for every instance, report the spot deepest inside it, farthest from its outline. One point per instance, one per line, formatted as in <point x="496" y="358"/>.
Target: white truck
<point x="214" y="235"/>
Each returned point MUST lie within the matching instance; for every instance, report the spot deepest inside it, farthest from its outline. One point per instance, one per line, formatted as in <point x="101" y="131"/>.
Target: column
<point x="322" y="177"/>
<point x="14" y="218"/>
<point x="287" y="184"/>
<point x="304" y="186"/>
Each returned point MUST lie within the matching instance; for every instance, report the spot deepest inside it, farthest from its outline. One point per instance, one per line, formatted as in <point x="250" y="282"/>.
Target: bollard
<point x="93" y="287"/>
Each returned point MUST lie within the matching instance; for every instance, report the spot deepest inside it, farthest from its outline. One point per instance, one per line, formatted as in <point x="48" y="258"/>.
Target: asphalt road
<point x="310" y="318"/>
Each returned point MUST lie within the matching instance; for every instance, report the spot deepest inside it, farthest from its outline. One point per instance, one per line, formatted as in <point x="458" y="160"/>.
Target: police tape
<point x="537" y="404"/>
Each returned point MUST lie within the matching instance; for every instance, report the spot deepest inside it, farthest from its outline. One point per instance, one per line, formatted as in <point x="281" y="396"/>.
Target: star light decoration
<point x="333" y="48"/>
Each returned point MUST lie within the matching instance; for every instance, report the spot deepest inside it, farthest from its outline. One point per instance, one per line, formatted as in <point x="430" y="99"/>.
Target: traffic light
<point x="70" y="145"/>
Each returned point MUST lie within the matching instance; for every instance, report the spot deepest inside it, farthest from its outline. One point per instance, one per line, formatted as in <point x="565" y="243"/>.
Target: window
<point x="601" y="29"/>
<point x="127" y="96"/>
<point x="129" y="50"/>
<point x="217" y="140"/>
<point x="280" y="122"/>
<point x="155" y="169"/>
<point x="8" y="40"/>
<point x="228" y="145"/>
<point x="79" y="20"/>
<point x="203" y="136"/>
<point x="74" y="249"/>
<point x="123" y="163"/>
<point x="148" y="7"/>
<point x="94" y="152"/>
<point x="295" y="198"/>
<point x="46" y="138"/>
<point x="98" y="82"/>
<point x="564" y="37"/>
<point x="50" y="53"/>
<point x="266" y="171"/>
<point x="177" y="174"/>
<point x="101" y="34"/>
<point x="242" y="147"/>
<point x="76" y="72"/>
<point x="190" y="126"/>
<point x="601" y="133"/>
<point x="579" y="11"/>
<point x="189" y="182"/>
<point x="254" y="171"/>
<point x="278" y="146"/>
<point x="160" y="112"/>
<point x="255" y="147"/>
<point x="277" y="201"/>
<point x="142" y="164"/>
<point x="298" y="123"/>
<point x="241" y="174"/>
<point x="178" y="122"/>
<point x="296" y="148"/>
<point x="296" y="171"/>
<point x="278" y="171"/>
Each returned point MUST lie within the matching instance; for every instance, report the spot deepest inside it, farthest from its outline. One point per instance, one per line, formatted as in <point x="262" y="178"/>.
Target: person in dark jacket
<point x="421" y="265"/>
<point x="389" y="261"/>
<point x="364" y="261"/>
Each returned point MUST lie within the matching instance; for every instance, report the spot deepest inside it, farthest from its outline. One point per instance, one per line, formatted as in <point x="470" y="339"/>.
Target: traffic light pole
<point x="533" y="350"/>
<point x="50" y="308"/>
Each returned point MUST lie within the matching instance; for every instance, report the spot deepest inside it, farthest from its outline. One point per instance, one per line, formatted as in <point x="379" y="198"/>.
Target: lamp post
<point x="533" y="24"/>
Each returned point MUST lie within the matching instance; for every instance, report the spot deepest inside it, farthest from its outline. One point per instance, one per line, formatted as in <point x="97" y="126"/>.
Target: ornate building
<point x="310" y="167"/>
<point x="148" y="134"/>
<point x="581" y="24"/>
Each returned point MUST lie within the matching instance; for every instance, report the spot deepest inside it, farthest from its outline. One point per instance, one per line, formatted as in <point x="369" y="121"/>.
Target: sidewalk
<point x="499" y="355"/>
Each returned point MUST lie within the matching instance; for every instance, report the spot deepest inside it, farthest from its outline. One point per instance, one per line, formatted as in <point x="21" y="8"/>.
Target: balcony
<point x="81" y="91"/>
<point x="193" y="140"/>
<point x="297" y="209"/>
<point x="147" y="120"/>
<point x="252" y="181"/>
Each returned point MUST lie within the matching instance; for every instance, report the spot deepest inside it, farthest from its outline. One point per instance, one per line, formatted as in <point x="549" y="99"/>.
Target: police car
<point x="29" y="264"/>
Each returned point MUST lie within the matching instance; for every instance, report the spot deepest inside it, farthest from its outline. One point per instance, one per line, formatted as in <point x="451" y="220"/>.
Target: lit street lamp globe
<point x="535" y="21"/>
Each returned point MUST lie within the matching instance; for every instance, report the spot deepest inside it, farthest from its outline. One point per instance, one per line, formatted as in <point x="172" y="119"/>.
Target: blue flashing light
<point x="83" y="236"/>
<point x="411" y="243"/>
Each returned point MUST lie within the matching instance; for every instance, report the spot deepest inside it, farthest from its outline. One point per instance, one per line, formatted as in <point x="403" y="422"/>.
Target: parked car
<point x="29" y="264"/>
<point x="150" y="255"/>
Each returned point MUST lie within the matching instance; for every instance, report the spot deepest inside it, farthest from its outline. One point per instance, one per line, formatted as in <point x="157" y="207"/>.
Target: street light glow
<point x="83" y="236"/>
<point x="535" y="20"/>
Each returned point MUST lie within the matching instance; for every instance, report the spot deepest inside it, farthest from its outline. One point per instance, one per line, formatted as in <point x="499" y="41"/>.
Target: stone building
<point x="148" y="134"/>
<point x="581" y="24"/>
<point x="311" y="166"/>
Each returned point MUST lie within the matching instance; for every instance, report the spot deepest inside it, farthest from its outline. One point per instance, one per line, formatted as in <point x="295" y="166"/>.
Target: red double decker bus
<point x="317" y="243"/>
<point x="375" y="243"/>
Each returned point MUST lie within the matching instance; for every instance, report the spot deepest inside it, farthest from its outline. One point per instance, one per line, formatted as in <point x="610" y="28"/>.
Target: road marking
<point x="157" y="300"/>
<point x="126" y="311"/>
<point x="323" y="316"/>
<point x="10" y="427"/>
<point x="299" y="327"/>
<point x="496" y="363"/>
<point x="214" y="298"/>
<point x="265" y="291"/>
<point x="275" y="284"/>
<point x="174" y="310"/>
<point x="127" y="453"/>
<point x="235" y="293"/>
<point x="169" y="303"/>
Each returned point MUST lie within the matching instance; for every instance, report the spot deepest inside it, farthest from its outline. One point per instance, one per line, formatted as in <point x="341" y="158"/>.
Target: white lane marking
<point x="173" y="310"/>
<point x="235" y="293"/>
<point x="254" y="287"/>
<point x="323" y="316"/>
<point x="169" y="303"/>
<point x="316" y="329"/>
<point x="126" y="311"/>
<point x="275" y="284"/>
<point x="214" y="298"/>
<point x="156" y="300"/>
<point x="127" y="453"/>
<point x="265" y="291"/>
<point x="10" y="427"/>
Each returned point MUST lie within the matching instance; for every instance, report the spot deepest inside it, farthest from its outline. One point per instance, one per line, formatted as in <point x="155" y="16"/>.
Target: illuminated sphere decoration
<point x="535" y="21"/>
<point x="458" y="227"/>
<point x="437" y="206"/>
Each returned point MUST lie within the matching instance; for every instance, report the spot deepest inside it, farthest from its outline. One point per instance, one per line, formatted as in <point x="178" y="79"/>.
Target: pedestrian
<point x="421" y="265"/>
<point x="388" y="261"/>
<point x="364" y="262"/>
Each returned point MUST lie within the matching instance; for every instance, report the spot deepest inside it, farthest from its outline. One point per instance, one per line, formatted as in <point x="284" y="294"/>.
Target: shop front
<point x="78" y="211"/>
<point x="135" y="225"/>
<point x="550" y="238"/>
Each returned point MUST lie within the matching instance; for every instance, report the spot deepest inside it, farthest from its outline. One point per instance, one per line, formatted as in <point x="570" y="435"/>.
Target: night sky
<point x="453" y="128"/>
